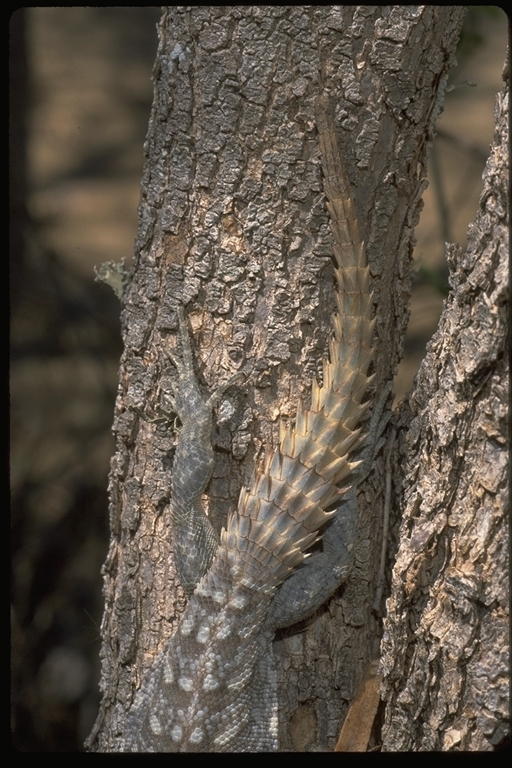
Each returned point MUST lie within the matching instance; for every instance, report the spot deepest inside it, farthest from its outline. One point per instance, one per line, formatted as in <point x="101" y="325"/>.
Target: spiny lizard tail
<point x="213" y="686"/>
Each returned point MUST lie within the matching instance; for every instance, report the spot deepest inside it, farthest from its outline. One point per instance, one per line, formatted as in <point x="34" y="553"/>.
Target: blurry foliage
<point x="65" y="348"/>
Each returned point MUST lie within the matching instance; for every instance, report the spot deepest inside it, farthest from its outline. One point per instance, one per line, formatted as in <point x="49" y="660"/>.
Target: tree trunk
<point x="233" y="225"/>
<point x="445" y="652"/>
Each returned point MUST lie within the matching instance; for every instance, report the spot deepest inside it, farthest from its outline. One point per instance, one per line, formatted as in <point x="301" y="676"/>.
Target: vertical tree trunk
<point x="445" y="653"/>
<point x="233" y="224"/>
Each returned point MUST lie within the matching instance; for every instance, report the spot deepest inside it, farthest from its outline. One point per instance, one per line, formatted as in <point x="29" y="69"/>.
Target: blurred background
<point x="80" y="100"/>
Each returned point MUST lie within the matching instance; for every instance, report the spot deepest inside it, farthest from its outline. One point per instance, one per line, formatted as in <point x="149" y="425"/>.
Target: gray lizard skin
<point x="213" y="687"/>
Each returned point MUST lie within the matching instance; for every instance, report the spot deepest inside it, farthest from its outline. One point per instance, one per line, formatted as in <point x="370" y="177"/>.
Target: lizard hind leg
<point x="322" y="573"/>
<point x="195" y="541"/>
<point x="310" y="585"/>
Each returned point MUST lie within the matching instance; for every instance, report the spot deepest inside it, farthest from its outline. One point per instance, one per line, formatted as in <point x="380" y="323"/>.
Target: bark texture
<point x="233" y="225"/>
<point x="445" y="652"/>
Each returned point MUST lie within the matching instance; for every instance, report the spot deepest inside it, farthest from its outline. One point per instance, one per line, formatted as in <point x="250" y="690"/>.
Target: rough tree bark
<point x="233" y="224"/>
<point x="445" y="652"/>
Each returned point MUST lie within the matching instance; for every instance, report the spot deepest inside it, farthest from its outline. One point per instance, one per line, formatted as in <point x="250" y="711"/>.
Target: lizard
<point x="213" y="687"/>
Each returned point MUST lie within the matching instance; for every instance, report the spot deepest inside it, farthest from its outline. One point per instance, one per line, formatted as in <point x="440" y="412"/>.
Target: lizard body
<point x="214" y="685"/>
